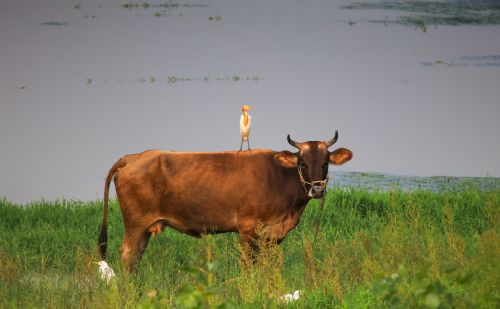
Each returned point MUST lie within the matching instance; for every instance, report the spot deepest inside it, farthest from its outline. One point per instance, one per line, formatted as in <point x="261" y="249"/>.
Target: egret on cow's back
<point x="245" y="122"/>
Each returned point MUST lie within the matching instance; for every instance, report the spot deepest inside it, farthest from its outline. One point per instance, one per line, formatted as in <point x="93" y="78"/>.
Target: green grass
<point x="374" y="249"/>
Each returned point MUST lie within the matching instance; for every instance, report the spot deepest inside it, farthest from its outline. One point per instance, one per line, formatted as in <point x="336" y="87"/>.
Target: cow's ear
<point x="340" y="156"/>
<point x="286" y="159"/>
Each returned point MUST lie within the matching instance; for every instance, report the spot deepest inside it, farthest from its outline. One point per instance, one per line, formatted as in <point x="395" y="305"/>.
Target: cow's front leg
<point x="250" y="249"/>
<point x="249" y="230"/>
<point x="254" y="239"/>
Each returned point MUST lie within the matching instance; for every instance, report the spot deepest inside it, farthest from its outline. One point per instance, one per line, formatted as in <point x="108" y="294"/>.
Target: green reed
<point x="374" y="249"/>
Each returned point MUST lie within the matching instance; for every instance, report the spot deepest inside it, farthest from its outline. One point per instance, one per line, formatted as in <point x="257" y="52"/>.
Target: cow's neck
<point x="290" y="219"/>
<point x="300" y="199"/>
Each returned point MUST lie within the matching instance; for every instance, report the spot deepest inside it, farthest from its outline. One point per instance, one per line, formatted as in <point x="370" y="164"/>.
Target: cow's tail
<point x="103" y="235"/>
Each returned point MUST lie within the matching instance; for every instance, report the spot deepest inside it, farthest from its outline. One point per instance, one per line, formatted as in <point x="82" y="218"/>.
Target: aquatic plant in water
<point x="424" y="13"/>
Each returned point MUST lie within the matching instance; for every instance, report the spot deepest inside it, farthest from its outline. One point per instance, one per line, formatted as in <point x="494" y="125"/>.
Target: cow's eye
<point x="302" y="165"/>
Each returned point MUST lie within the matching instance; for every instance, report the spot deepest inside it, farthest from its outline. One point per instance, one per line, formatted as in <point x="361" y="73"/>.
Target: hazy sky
<point x="81" y="86"/>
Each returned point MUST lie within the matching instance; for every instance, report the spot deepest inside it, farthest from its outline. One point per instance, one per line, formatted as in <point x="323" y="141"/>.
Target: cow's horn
<point x="333" y="140"/>
<point x="292" y="142"/>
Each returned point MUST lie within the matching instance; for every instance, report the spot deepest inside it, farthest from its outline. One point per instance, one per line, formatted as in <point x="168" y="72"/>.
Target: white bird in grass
<point x="290" y="297"/>
<point x="245" y="120"/>
<point x="106" y="271"/>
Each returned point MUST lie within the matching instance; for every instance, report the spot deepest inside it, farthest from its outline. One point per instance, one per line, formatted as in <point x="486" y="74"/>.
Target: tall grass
<point x="374" y="249"/>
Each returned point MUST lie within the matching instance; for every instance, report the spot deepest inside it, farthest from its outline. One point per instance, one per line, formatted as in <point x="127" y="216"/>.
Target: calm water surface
<point x="83" y="83"/>
<point x="383" y="182"/>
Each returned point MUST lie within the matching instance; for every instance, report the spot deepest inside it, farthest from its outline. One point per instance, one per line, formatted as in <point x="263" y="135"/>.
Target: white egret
<point x="245" y="120"/>
<point x="106" y="271"/>
<point x="291" y="297"/>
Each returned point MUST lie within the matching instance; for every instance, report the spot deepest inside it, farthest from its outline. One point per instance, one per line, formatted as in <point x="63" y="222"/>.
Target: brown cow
<point x="216" y="192"/>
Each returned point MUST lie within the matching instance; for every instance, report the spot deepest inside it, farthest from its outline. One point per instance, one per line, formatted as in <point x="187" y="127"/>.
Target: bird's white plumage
<point x="106" y="271"/>
<point x="291" y="297"/>
<point x="245" y="128"/>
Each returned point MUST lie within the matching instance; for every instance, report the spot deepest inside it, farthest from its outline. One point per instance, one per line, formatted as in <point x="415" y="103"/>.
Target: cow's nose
<point x="316" y="191"/>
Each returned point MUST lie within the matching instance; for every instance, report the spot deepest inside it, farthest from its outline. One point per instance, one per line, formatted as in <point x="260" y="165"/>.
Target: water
<point x="83" y="83"/>
<point x="423" y="14"/>
<point x="384" y="182"/>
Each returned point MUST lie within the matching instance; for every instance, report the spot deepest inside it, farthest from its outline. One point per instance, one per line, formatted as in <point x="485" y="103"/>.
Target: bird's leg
<point x="241" y="146"/>
<point x="248" y="144"/>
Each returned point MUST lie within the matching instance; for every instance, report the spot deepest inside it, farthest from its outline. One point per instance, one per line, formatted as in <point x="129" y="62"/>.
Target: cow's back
<point x="200" y="192"/>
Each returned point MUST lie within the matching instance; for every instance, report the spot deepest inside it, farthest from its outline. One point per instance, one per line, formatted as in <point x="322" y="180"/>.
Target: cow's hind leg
<point x="133" y="246"/>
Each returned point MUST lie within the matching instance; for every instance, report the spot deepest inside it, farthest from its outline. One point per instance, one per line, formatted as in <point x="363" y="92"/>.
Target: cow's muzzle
<point x="317" y="191"/>
<point x="317" y="188"/>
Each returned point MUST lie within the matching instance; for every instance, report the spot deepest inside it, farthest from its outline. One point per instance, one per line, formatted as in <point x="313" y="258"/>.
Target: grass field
<point x="374" y="250"/>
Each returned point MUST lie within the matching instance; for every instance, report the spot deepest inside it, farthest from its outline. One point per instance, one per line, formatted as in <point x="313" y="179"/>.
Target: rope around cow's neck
<point x="318" y="222"/>
<point x="323" y="185"/>
<point x="303" y="181"/>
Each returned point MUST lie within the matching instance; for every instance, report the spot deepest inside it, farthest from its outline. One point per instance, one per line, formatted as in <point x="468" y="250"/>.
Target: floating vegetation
<point x="167" y="5"/>
<point x="469" y="60"/>
<point x="172" y="79"/>
<point x="233" y="78"/>
<point x="438" y="62"/>
<point x="215" y="18"/>
<point x="163" y="9"/>
<point x="450" y="12"/>
<point x="446" y="63"/>
<point x="88" y="12"/>
<point x="483" y="60"/>
<point x="55" y="23"/>
<point x="132" y="5"/>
